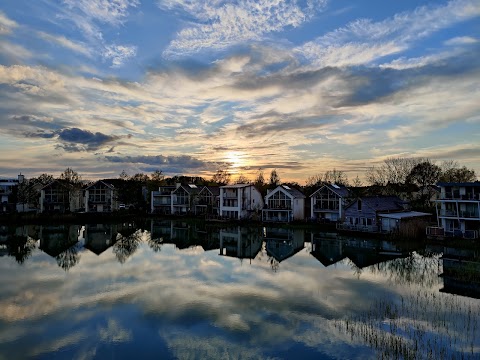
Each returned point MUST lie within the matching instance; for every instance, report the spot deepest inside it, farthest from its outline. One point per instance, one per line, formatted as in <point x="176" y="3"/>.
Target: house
<point x="161" y="200"/>
<point x="60" y="196"/>
<point x="208" y="201"/>
<point x="458" y="209"/>
<point x="363" y="213"/>
<point x="182" y="198"/>
<point x="328" y="203"/>
<point x="100" y="197"/>
<point x="8" y="190"/>
<point x="99" y="237"/>
<point x="284" y="204"/>
<point x="239" y="201"/>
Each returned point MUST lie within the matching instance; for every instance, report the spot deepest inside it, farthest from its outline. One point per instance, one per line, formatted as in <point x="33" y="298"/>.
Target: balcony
<point x="455" y="195"/>
<point x="278" y="207"/>
<point x="230" y="195"/>
<point x="468" y="214"/>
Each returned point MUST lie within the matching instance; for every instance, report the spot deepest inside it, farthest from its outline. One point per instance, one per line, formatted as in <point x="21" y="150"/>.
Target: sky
<point x="189" y="87"/>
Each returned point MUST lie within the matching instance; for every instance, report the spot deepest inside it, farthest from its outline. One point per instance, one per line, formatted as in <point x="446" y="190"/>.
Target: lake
<point x="185" y="290"/>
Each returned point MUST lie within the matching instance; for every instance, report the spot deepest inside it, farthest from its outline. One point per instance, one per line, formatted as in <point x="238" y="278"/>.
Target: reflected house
<point x="56" y="239"/>
<point x="183" y="198"/>
<point x="101" y="197"/>
<point x="461" y="272"/>
<point x="327" y="251"/>
<point x="8" y="188"/>
<point x="60" y="196"/>
<point x="99" y="237"/>
<point x="240" y="201"/>
<point x="208" y="201"/>
<point x="181" y="234"/>
<point x="240" y="243"/>
<point x="458" y="210"/>
<point x="161" y="200"/>
<point x="363" y="213"/>
<point x="328" y="203"/>
<point x="283" y="243"/>
<point x="364" y="253"/>
<point x="284" y="204"/>
<point x="161" y="230"/>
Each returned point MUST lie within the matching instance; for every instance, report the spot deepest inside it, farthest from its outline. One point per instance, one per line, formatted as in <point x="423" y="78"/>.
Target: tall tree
<point x="221" y="177"/>
<point x="452" y="172"/>
<point x="241" y="179"/>
<point x="392" y="171"/>
<point x="336" y="177"/>
<point x="71" y="177"/>
<point x="424" y="174"/>
<point x="274" y="178"/>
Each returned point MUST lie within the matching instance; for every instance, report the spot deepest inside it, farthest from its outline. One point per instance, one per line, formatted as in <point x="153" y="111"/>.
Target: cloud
<point x="461" y="40"/>
<point x="91" y="15"/>
<point x="119" y="54"/>
<point x="66" y="43"/>
<point x="169" y="164"/>
<point x="220" y="24"/>
<point x="77" y="140"/>
<point x="6" y="24"/>
<point x="363" y="41"/>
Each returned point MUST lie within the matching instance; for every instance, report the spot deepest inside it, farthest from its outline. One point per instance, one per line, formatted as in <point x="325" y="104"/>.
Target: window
<point x="359" y="205"/>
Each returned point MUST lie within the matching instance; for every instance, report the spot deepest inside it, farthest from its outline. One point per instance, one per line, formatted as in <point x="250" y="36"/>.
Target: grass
<point x="421" y="326"/>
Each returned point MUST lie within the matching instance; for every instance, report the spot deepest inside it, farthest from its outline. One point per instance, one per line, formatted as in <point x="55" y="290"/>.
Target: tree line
<point x="394" y="176"/>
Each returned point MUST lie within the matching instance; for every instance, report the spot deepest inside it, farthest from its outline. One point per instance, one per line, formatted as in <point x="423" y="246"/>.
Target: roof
<point x="102" y="182"/>
<point x="340" y="190"/>
<point x="215" y="190"/>
<point x="404" y="215"/>
<point x="189" y="188"/>
<point x="381" y="203"/>
<point x="443" y="184"/>
<point x="235" y="186"/>
<point x="292" y="191"/>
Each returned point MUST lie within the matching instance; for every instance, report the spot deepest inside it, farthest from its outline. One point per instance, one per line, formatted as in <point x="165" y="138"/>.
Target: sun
<point x="236" y="159"/>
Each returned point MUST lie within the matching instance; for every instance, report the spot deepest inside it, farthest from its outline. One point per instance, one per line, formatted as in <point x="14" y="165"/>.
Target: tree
<point x="274" y="178"/>
<point x="123" y="175"/>
<point x="221" y="177"/>
<point x="259" y="181"/>
<point x="357" y="182"/>
<point x="140" y="178"/>
<point x="241" y="179"/>
<point x="424" y="174"/>
<point x="451" y="172"/>
<point x="336" y="177"/>
<point x="43" y="179"/>
<point x="71" y="177"/>
<point x="392" y="171"/>
<point x="157" y="176"/>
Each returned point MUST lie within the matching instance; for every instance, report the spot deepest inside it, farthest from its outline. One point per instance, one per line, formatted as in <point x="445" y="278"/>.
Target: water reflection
<point x="190" y="290"/>
<point x="461" y="272"/>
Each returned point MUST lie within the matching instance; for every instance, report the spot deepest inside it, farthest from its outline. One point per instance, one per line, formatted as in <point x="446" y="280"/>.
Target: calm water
<point x="172" y="290"/>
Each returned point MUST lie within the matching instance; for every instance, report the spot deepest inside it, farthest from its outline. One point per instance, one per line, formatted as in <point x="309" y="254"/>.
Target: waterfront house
<point x="100" y="197"/>
<point x="282" y="244"/>
<point x="240" y="201"/>
<point x="60" y="196"/>
<point x="99" y="237"/>
<point x="458" y="210"/>
<point x="182" y="198"/>
<point x="362" y="214"/>
<point x="284" y="204"/>
<point x="161" y="200"/>
<point x="328" y="203"/>
<point x="208" y="201"/>
<point x="8" y="189"/>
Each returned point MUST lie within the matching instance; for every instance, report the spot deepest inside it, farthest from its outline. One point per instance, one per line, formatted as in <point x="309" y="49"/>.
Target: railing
<point x="473" y="214"/>
<point x="436" y="231"/>
<point x="278" y="207"/>
<point x="456" y="196"/>
<point x="361" y="228"/>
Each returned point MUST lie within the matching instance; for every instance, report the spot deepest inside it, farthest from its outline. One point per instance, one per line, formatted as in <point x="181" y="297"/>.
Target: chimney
<point x="21" y="178"/>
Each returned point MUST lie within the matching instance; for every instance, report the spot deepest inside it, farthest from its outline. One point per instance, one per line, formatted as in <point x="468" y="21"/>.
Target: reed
<point x="421" y="326"/>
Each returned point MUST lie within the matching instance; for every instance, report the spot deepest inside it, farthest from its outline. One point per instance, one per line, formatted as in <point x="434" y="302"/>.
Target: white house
<point x="161" y="200"/>
<point x="60" y="196"/>
<point x="100" y="197"/>
<point x="284" y="204"/>
<point x="328" y="202"/>
<point x="208" y="201"/>
<point x="7" y="187"/>
<point x="458" y="209"/>
<point x="239" y="201"/>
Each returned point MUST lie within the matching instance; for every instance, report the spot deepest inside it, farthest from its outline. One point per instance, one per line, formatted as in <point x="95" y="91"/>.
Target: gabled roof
<point x="189" y="188"/>
<point x="57" y="182"/>
<point x="340" y="190"/>
<point x="235" y="186"/>
<point x="214" y="190"/>
<point x="110" y="186"/>
<point x="380" y="203"/>
<point x="294" y="193"/>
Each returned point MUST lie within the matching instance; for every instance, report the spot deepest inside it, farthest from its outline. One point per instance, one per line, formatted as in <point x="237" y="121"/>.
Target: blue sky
<point x="191" y="86"/>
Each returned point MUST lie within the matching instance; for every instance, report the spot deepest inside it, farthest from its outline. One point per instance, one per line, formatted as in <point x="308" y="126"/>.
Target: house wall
<point x="365" y="216"/>
<point x="247" y="198"/>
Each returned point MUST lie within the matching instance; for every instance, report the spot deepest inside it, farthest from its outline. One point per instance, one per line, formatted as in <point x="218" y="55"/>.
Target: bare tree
<point x="221" y="177"/>
<point x="452" y="172"/>
<point x="274" y="178"/>
<point x="242" y="179"/>
<point x="392" y="171"/>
